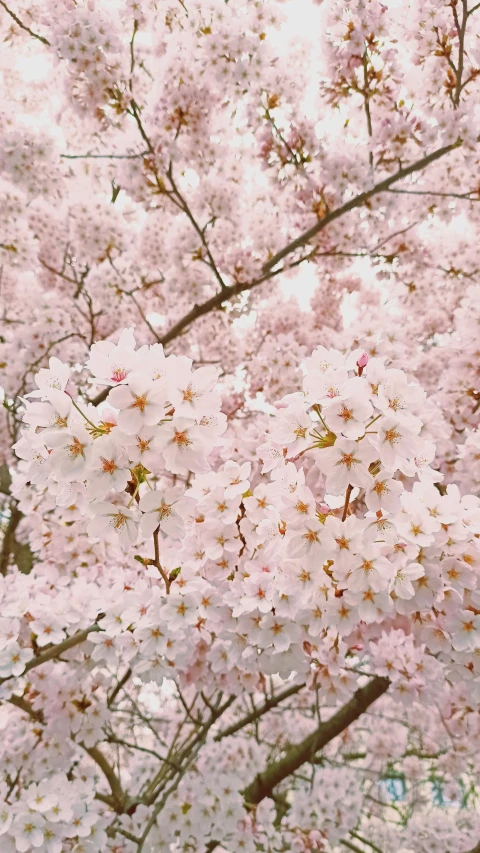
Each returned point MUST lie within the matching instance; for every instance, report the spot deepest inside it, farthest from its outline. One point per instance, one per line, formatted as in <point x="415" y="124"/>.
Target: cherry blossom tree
<point x="240" y="454"/>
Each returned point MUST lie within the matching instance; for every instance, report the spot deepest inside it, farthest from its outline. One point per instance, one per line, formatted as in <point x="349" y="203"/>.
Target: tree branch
<point x="23" y="26"/>
<point x="228" y="293"/>
<point x="114" y="783"/>
<point x="461" y="49"/>
<point x="25" y="706"/>
<point x="365" y="841"/>
<point x="8" y="542"/>
<point x="197" y="311"/>
<point x="350" y="846"/>
<point x="119" y="685"/>
<point x="53" y="652"/>
<point x="358" y="201"/>
<point x="103" y="156"/>
<point x="259" y="712"/>
<point x="263" y="785"/>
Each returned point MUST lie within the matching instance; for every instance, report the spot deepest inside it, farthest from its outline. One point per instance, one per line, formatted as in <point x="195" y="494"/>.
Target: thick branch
<point x="197" y="311"/>
<point x="114" y="783"/>
<point x="25" y="706"/>
<point x="358" y="201"/>
<point x="263" y="785"/>
<point x="8" y="543"/>
<point x="259" y="712"/>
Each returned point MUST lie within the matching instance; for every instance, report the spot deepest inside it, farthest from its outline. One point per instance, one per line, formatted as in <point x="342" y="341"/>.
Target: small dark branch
<point x="156" y="561"/>
<point x="259" y="712"/>
<point x="350" y="845"/>
<point x="132" y="52"/>
<point x="113" y="739"/>
<point x="112" y="831"/>
<point x="365" y="841"/>
<point x="358" y="201"/>
<point x="118" y="687"/>
<point x="264" y="783"/>
<point x="144" y="318"/>
<point x="135" y="112"/>
<point x="461" y="28"/>
<point x="200" y="231"/>
<point x="465" y="196"/>
<point x="197" y="722"/>
<point x="366" y="97"/>
<point x="347" y="501"/>
<point x="104" y="156"/>
<point x="23" y="26"/>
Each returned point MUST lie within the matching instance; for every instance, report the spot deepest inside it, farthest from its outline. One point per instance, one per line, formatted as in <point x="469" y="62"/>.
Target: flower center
<point x="346" y="414"/>
<point x="311" y="536"/>
<point x="189" y="395"/>
<point x="181" y="438"/>
<point x="118" y="374"/>
<point x="164" y="510"/>
<point x="76" y="448"/>
<point x="391" y="435"/>
<point x="139" y="403"/>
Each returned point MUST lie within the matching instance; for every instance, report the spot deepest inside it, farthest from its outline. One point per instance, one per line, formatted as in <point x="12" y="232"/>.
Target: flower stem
<point x="84" y="415"/>
<point x="347" y="501"/>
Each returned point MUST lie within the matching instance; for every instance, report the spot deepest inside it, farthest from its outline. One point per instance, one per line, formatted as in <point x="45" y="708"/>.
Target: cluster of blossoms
<point x="52" y="816"/>
<point x="259" y="573"/>
<point x="166" y="417"/>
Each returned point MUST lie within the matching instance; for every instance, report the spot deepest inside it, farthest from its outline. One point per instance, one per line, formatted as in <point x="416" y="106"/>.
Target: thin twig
<point x="23" y="26"/>
<point x="118" y="687"/>
<point x="104" y="156"/>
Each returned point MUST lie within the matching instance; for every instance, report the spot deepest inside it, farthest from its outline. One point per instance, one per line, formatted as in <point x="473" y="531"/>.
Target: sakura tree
<point x="240" y="471"/>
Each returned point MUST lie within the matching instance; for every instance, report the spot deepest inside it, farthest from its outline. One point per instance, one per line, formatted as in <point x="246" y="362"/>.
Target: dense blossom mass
<point x="239" y="446"/>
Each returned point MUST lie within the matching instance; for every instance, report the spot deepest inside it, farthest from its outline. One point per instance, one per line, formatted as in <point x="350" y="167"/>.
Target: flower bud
<point x="362" y="362"/>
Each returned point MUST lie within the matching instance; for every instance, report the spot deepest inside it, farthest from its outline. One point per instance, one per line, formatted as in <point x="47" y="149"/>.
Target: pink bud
<point x="324" y="509"/>
<point x="363" y="360"/>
